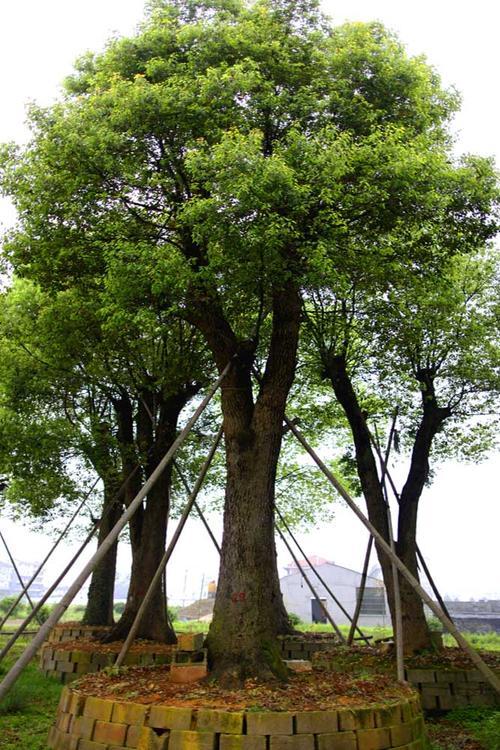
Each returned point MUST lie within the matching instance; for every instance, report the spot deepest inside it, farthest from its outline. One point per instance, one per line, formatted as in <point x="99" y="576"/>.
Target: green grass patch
<point x="29" y="709"/>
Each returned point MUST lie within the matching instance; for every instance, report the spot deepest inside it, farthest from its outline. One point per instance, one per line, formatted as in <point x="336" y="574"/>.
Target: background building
<point x="344" y="583"/>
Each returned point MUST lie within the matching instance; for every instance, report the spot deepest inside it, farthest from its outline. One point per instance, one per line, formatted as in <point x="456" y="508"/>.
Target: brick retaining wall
<point x="298" y="647"/>
<point x="67" y="666"/>
<point x="88" y="723"/>
<point x="444" y="689"/>
<point x="64" y="632"/>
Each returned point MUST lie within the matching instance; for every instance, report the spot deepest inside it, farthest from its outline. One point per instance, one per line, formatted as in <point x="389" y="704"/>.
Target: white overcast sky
<point x="459" y="518"/>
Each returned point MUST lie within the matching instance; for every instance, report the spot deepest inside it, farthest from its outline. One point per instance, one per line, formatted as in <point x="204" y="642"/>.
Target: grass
<point x="466" y="728"/>
<point x="28" y="711"/>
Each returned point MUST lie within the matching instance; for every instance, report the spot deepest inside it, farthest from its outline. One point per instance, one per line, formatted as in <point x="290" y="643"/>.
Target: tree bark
<point x="414" y="623"/>
<point x="148" y="527"/>
<point x="100" y="601"/>
<point x="99" y="609"/>
<point x="416" y="634"/>
<point x="249" y="611"/>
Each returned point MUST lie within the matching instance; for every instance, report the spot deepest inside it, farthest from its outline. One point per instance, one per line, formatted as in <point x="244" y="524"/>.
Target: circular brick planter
<point x="67" y="665"/>
<point x="90" y="723"/>
<point x="71" y="631"/>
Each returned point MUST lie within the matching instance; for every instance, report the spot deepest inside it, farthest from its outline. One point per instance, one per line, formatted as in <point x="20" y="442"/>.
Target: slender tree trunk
<point x="365" y="462"/>
<point x="148" y="545"/>
<point x="414" y="623"/>
<point x="249" y="611"/>
<point x="99" y="610"/>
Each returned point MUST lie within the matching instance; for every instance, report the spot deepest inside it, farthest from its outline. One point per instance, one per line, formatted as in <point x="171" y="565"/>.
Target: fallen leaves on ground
<point x="318" y="690"/>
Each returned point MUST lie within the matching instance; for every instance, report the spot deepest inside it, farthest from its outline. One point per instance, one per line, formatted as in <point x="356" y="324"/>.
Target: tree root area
<point x="320" y="689"/>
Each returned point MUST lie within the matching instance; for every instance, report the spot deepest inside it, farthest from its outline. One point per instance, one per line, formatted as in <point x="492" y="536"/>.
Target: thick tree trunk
<point x="249" y="611"/>
<point x="148" y="527"/>
<point x="416" y="634"/>
<point x="99" y="609"/>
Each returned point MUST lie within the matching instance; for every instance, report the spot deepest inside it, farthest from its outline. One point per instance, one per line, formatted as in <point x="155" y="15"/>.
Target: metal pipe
<point x="18" y="575"/>
<point x="197" y="507"/>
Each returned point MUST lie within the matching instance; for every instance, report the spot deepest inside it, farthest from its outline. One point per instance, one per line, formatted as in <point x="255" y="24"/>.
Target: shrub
<point x="172" y="613"/>
<point x="294" y="619"/>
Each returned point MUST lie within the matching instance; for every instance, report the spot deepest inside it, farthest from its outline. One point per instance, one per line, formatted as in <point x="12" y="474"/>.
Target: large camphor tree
<point x="234" y="155"/>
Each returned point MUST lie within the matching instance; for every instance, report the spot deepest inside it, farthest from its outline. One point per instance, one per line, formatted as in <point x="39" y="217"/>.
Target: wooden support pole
<point x="56" y="614"/>
<point x="483" y="668"/>
<point x="361" y="591"/>
<point x="156" y="580"/>
<point x="318" y="575"/>
<point x="49" y="554"/>
<point x="18" y="576"/>
<point x="424" y="565"/>
<point x="5" y="650"/>
<point x="21" y="629"/>
<point x="197" y="508"/>
<point x="311" y="587"/>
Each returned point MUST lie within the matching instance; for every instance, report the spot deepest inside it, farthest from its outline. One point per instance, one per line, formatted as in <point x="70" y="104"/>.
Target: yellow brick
<point x="337" y="741"/>
<point x="269" y="722"/>
<point x="133" y="735"/>
<point x="224" y="722"/>
<point x="183" y="740"/>
<point x="149" y="740"/>
<point x="165" y="717"/>
<point x="76" y="703"/>
<point x="109" y="733"/>
<point x="388" y="716"/>
<point x="129" y="713"/>
<point x="347" y="720"/>
<point x="242" y="742"/>
<point x="374" y="739"/>
<point x="292" y="742"/>
<point x="98" y="709"/>
<point x="316" y="722"/>
<point x="401" y="734"/>
<point x="190" y="641"/>
<point x="64" y="699"/>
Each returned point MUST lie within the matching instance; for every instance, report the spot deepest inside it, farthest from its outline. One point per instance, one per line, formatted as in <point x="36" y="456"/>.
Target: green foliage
<point x="172" y="612"/>
<point x="294" y="619"/>
<point x="224" y="150"/>
<point x="8" y="601"/>
<point x="483" y="723"/>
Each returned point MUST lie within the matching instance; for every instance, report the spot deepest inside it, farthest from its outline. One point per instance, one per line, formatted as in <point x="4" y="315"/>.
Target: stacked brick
<point x="65" y="632"/>
<point x="442" y="690"/>
<point x="88" y="723"/>
<point x="298" y="647"/>
<point x="66" y="666"/>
